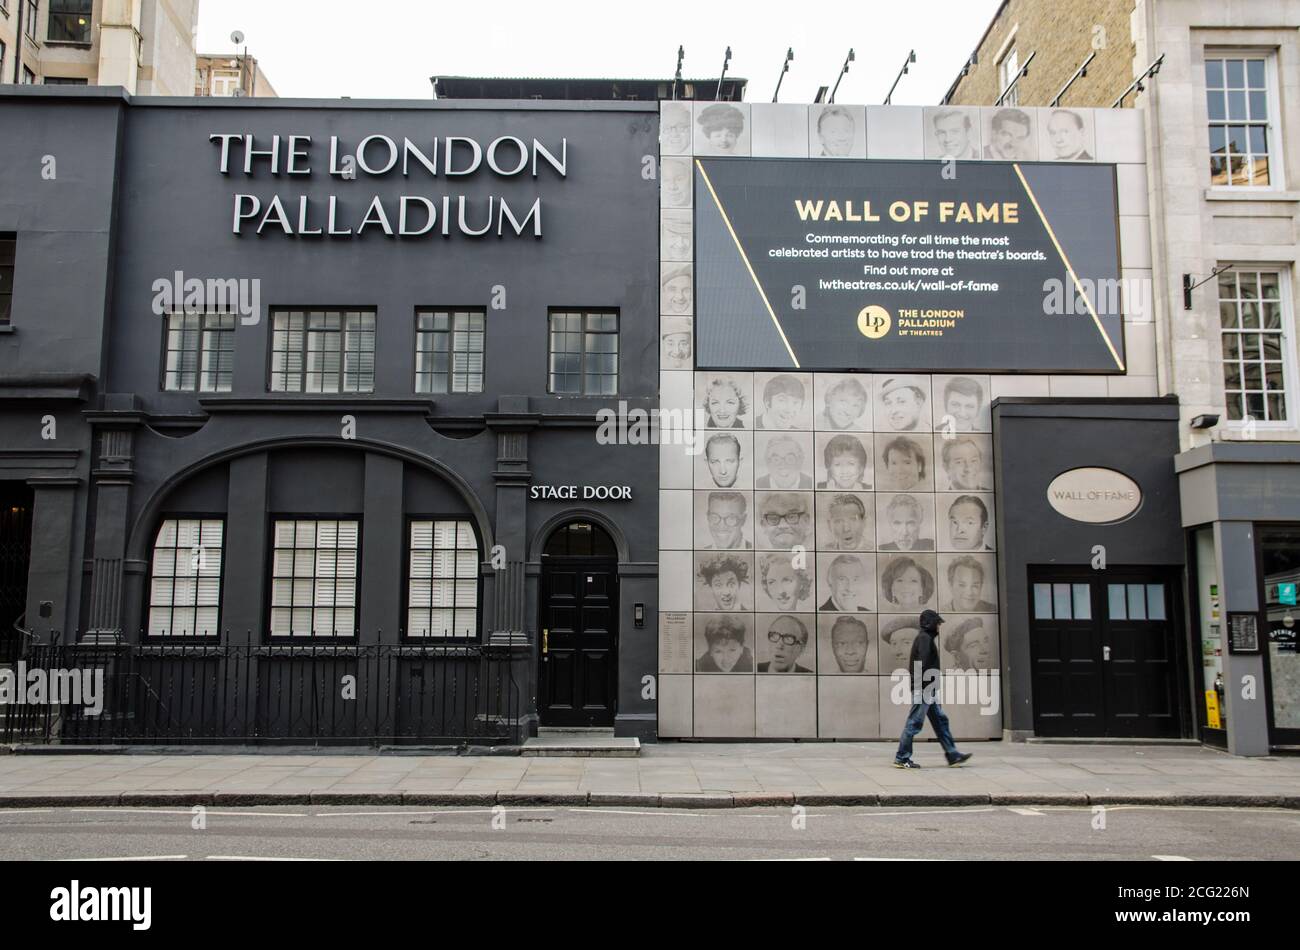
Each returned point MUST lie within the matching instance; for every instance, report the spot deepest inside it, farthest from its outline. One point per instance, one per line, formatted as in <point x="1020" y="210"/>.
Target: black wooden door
<point x="578" y="676"/>
<point x="1104" y="653"/>
<point x="1065" y="647"/>
<point x="15" y="561"/>
<point x="1141" y="671"/>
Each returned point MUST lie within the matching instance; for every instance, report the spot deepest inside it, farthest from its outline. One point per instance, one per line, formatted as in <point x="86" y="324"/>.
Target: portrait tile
<point x="847" y="644"/>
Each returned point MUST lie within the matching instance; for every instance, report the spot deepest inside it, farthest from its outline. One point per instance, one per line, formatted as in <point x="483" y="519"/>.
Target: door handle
<point x="546" y="633"/>
<point x="1105" y="653"/>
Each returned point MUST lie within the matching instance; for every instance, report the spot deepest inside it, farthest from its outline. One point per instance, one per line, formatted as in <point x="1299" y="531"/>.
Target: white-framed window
<point x="449" y="350"/>
<point x="224" y="83"/>
<point x="185" y="578"/>
<point x="1008" y="71"/>
<point x="2" y="53"/>
<point x="29" y="19"/>
<point x="314" y="578"/>
<point x="1257" y="331"/>
<point x="323" y="351"/>
<point x="1241" y="106"/>
<point x="199" y="352"/>
<point x="442" y="580"/>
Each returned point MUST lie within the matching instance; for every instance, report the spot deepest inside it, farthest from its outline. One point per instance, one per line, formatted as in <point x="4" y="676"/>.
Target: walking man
<point x="924" y="669"/>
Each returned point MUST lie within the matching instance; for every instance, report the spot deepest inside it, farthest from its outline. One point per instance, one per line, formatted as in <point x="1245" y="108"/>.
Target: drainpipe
<point x="18" y="40"/>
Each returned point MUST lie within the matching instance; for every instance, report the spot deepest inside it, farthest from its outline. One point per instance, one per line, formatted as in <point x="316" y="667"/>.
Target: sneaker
<point x="906" y="764"/>
<point x="959" y="759"/>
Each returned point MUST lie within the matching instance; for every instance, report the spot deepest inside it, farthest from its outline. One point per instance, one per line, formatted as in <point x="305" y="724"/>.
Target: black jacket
<point x="925" y="651"/>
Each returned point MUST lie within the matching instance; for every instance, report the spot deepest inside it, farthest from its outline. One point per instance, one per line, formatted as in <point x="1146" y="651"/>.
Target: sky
<point x="369" y="49"/>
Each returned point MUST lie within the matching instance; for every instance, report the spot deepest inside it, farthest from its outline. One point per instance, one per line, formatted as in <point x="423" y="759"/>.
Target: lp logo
<point x="874" y="322"/>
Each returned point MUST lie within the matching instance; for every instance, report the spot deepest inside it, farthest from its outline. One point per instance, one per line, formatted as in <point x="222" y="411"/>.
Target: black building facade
<point x="299" y="410"/>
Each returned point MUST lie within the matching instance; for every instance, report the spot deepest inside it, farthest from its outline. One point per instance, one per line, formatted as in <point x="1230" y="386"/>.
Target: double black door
<point x="578" y="668"/>
<point x="1104" y="653"/>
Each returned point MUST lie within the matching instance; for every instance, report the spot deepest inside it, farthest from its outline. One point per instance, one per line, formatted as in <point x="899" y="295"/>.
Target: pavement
<point x="681" y="775"/>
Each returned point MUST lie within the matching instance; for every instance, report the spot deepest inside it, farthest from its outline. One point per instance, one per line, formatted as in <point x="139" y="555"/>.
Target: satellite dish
<point x="236" y="37"/>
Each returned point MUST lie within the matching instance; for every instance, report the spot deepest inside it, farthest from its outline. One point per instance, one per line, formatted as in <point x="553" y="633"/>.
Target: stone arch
<point x="538" y="543"/>
<point x="141" y="537"/>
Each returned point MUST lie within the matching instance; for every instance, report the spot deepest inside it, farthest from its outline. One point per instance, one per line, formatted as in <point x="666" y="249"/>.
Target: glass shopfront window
<point x="1280" y="560"/>
<point x="1210" y="629"/>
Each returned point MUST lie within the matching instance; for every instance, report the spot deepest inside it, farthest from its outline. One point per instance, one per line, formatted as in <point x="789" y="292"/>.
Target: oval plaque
<point x="1095" y="495"/>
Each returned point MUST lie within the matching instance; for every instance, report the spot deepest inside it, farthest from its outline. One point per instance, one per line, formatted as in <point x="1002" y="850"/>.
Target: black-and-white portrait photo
<point x="724" y="581"/>
<point x="846" y="644"/>
<point x="969" y="643"/>
<point x="785" y="400"/>
<point x="843" y="403"/>
<point x="785" y="644"/>
<point x="904" y="463"/>
<point x="1068" y="136"/>
<point x="676" y="289"/>
<point x="781" y="585"/>
<point x="846" y="521"/>
<point x="675" y="128"/>
<point x="846" y="583"/>
<point x="904" y="522"/>
<point x="907" y="582"/>
<point x="677" y="335"/>
<point x="724" y="400"/>
<point x="965" y="522"/>
<point x="721" y="128"/>
<point x="896" y="636"/>
<point x="724" y="643"/>
<point x="952" y="132"/>
<point x="967" y="584"/>
<point x="727" y="460"/>
<point x="676" y="240"/>
<point x="903" y="404"/>
<point x="837" y="131"/>
<point x="783" y="520"/>
<point x="724" y="520"/>
<point x="1010" y="135"/>
<point x="965" y="463"/>
<point x="962" y="404"/>
<point x="675" y="182"/>
<point x="783" y="461"/>
<point x="843" y="462"/>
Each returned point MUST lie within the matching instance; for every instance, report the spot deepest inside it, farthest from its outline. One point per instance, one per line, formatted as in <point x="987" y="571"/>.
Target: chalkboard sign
<point x="1243" y="633"/>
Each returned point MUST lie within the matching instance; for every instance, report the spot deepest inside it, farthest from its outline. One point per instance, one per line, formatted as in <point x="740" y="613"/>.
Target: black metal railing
<point x="306" y="694"/>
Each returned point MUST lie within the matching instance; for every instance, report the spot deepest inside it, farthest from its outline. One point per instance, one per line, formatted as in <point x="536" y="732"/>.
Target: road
<point x="463" y="834"/>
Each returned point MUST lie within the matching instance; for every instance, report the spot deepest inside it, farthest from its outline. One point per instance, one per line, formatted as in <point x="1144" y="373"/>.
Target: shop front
<point x="1241" y="510"/>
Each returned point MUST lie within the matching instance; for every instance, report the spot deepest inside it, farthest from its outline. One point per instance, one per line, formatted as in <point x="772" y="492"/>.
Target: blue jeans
<point x="916" y="721"/>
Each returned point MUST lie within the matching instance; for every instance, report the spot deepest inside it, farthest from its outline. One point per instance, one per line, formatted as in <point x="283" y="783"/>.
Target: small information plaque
<point x="1243" y="633"/>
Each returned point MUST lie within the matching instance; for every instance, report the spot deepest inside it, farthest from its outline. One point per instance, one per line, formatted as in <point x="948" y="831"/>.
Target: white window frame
<point x="224" y="84"/>
<point x="318" y="590"/>
<point x="1276" y="157"/>
<point x="187" y="564"/>
<point x="207" y="376"/>
<point x="1284" y="289"/>
<point x="455" y="572"/>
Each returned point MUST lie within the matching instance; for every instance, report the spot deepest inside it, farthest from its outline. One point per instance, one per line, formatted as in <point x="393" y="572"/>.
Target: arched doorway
<point x="578" y="667"/>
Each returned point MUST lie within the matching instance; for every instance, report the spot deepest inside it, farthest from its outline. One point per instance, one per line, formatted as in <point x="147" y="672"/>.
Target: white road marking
<point x="254" y="857"/>
<point x="1170" y="857"/>
<point x="24" y="811"/>
<point x="1027" y="812"/>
